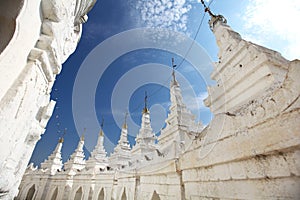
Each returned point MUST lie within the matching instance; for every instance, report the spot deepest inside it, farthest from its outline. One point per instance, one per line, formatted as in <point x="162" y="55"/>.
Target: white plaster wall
<point x="43" y="38"/>
<point x="14" y="57"/>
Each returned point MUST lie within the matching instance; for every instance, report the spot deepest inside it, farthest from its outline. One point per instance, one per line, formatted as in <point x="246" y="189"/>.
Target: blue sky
<point x="91" y="87"/>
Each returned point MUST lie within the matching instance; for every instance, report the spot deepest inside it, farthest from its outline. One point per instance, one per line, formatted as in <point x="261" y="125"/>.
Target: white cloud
<point x="274" y="23"/>
<point x="195" y="103"/>
<point x="164" y="13"/>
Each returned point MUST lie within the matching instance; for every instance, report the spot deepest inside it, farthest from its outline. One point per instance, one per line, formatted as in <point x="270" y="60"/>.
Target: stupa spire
<point x="180" y="120"/>
<point x="123" y="142"/>
<point x="76" y="161"/>
<point x="98" y="159"/>
<point x="54" y="161"/>
<point x="145" y="139"/>
<point x="121" y="155"/>
<point x="175" y="92"/>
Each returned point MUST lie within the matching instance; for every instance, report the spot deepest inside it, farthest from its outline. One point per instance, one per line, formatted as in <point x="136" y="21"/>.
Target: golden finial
<point x="101" y="133"/>
<point x="61" y="140"/>
<point x="101" y="130"/>
<point x="145" y="110"/>
<point x="82" y="136"/>
<point x="125" y="121"/>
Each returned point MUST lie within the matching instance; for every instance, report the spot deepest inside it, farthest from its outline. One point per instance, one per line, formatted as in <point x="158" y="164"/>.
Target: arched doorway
<point x="155" y="196"/>
<point x="54" y="195"/>
<point x="101" y="195"/>
<point x="30" y="193"/>
<point x="78" y="194"/>
<point x="124" y="197"/>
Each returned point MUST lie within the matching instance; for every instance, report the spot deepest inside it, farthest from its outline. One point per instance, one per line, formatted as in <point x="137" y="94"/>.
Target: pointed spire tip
<point x="125" y="121"/>
<point x="101" y="133"/>
<point x="145" y="109"/>
<point x="82" y="137"/>
<point x="173" y="72"/>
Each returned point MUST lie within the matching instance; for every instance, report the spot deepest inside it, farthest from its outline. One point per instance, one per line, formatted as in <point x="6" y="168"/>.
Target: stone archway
<point x="54" y="194"/>
<point x="30" y="193"/>
<point x="101" y="194"/>
<point x="78" y="195"/>
<point x="155" y="196"/>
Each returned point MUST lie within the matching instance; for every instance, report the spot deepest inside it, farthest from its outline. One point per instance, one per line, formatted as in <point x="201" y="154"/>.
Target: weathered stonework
<point x="250" y="150"/>
<point x="40" y="36"/>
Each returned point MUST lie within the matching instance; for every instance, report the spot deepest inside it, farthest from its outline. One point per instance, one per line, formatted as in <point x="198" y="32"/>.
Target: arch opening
<point x="90" y="197"/>
<point x="30" y="193"/>
<point x="101" y="195"/>
<point x="155" y="196"/>
<point x="124" y="197"/>
<point x="78" y="195"/>
<point x="54" y="194"/>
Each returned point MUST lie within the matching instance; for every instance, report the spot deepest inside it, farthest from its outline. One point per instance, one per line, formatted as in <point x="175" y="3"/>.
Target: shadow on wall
<point x="9" y="11"/>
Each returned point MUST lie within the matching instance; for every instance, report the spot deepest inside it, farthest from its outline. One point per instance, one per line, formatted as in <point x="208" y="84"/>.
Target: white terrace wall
<point x="39" y="35"/>
<point x="164" y="178"/>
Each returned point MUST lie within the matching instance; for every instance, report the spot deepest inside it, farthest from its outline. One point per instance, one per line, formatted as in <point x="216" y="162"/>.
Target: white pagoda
<point x="54" y="162"/>
<point x="145" y="140"/>
<point x="98" y="158"/>
<point x="180" y="123"/>
<point x="76" y="162"/>
<point x="121" y="155"/>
